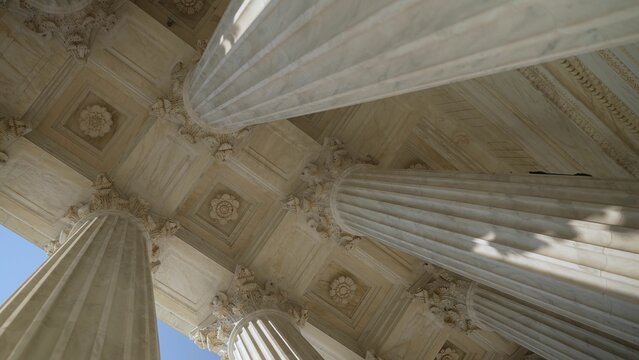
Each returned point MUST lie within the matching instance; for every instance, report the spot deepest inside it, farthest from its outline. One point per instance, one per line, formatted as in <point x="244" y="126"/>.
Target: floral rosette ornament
<point x="342" y="289"/>
<point x="95" y="121"/>
<point x="224" y="208"/>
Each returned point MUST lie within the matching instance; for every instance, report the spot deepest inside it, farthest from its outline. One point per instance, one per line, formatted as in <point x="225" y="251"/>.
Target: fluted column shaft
<point x="545" y="333"/>
<point x="567" y="244"/>
<point x="271" y="60"/>
<point x="92" y="299"/>
<point x="269" y="334"/>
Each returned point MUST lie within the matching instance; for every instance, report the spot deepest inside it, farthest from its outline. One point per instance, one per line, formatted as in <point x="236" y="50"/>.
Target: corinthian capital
<point x="244" y="296"/>
<point x="75" y="25"/>
<point x="173" y="109"/>
<point x="10" y="130"/>
<point x="313" y="201"/>
<point x="445" y="294"/>
<point x="105" y="197"/>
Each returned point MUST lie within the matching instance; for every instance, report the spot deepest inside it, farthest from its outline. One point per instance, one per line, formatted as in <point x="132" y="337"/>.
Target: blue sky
<point x="20" y="258"/>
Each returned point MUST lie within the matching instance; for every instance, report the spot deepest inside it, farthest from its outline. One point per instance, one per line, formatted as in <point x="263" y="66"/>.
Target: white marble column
<point x="545" y="333"/>
<point x="254" y="321"/>
<point x="269" y="334"/>
<point x="271" y="60"/>
<point x="93" y="298"/>
<point x="568" y="244"/>
<point x="468" y="306"/>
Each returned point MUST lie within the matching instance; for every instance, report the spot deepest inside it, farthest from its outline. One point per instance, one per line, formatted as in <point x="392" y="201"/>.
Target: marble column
<point x="93" y="298"/>
<point x="271" y="60"/>
<point x="567" y="244"/>
<point x="547" y="334"/>
<point x="468" y="306"/>
<point x="254" y="321"/>
<point x="269" y="334"/>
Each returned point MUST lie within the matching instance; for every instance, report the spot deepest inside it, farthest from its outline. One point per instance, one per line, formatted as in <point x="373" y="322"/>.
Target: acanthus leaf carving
<point x="172" y="109"/>
<point x="445" y="295"/>
<point x="106" y="197"/>
<point x="313" y="200"/>
<point x="244" y="296"/>
<point x="10" y="130"/>
<point x="75" y="29"/>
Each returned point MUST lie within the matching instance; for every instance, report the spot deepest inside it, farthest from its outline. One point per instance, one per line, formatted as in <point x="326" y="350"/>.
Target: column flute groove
<point x="93" y="298"/>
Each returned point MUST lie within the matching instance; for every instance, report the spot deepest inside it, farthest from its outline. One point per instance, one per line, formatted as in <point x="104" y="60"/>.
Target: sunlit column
<point x="255" y="321"/>
<point x="567" y="244"/>
<point x="467" y="306"/>
<point x="271" y="60"/>
<point x="93" y="298"/>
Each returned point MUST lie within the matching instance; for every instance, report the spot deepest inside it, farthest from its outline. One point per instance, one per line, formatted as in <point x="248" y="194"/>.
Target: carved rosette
<point x="447" y="354"/>
<point x="445" y="295"/>
<point x="95" y="121"/>
<point x="75" y="29"/>
<point x="342" y="289"/>
<point x="224" y="209"/>
<point x="106" y="197"/>
<point x="172" y="109"/>
<point x="319" y="178"/>
<point x="189" y="7"/>
<point x="10" y="130"/>
<point x="244" y="296"/>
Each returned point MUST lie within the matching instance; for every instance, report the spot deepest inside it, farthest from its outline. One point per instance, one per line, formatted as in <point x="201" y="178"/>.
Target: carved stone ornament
<point x="172" y="109"/>
<point x="370" y="355"/>
<point x="106" y="197"/>
<point x="342" y="289"/>
<point x="445" y="295"/>
<point x="244" y="296"/>
<point x="10" y="130"/>
<point x="447" y="354"/>
<point x="224" y="208"/>
<point x="189" y="7"/>
<point x="95" y="121"/>
<point x="76" y="29"/>
<point x="319" y="177"/>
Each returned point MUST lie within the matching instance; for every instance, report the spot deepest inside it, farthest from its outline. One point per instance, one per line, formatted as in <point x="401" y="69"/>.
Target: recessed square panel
<point x="94" y="120"/>
<point x="223" y="209"/>
<point x="340" y="288"/>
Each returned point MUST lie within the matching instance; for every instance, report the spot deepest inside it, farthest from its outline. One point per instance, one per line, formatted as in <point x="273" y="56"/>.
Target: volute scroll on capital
<point x="314" y="200"/>
<point x="245" y="296"/>
<point x="106" y="198"/>
<point x="175" y="109"/>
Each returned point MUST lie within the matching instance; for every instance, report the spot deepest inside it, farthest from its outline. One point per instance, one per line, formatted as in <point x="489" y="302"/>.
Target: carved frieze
<point x="565" y="103"/>
<point x="172" y="109"/>
<point x="445" y="295"/>
<point x="95" y="121"/>
<point x="76" y="29"/>
<point x="342" y="289"/>
<point x="319" y="177"/>
<point x="244" y="296"/>
<point x="10" y="130"/>
<point x="106" y="197"/>
<point x="224" y="208"/>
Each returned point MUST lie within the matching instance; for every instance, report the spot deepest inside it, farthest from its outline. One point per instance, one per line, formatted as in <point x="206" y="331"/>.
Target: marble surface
<point x="274" y="60"/>
<point x="92" y="299"/>
<point x="567" y="244"/>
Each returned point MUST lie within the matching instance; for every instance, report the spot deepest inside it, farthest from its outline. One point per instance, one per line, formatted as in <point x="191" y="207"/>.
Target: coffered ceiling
<point x="569" y="116"/>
